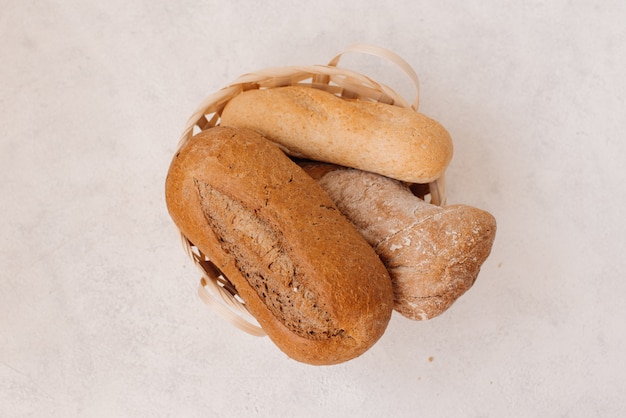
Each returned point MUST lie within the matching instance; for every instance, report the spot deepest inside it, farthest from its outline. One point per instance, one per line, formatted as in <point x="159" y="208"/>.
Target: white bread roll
<point x="317" y="125"/>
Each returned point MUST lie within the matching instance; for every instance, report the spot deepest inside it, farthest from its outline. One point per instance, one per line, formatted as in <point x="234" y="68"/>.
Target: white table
<point x="98" y="311"/>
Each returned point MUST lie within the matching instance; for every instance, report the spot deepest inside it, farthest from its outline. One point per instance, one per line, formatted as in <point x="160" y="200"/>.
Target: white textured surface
<point x="98" y="311"/>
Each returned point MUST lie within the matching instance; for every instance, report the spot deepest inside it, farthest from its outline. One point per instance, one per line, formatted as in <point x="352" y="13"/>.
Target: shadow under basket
<point x="215" y="289"/>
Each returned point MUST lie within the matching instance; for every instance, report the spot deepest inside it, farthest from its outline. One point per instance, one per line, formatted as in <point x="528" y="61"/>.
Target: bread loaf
<point x="314" y="124"/>
<point x="433" y="254"/>
<point x="314" y="284"/>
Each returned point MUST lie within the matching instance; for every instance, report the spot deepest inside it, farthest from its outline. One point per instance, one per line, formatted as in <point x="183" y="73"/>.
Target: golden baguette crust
<point x="432" y="253"/>
<point x="376" y="137"/>
<point x="315" y="286"/>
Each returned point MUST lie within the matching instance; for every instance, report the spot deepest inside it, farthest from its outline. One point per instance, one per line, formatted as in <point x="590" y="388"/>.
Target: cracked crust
<point x="314" y="284"/>
<point x="266" y="262"/>
<point x="433" y="254"/>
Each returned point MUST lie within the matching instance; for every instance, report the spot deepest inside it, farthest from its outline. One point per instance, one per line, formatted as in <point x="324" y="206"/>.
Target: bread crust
<point x="376" y="137"/>
<point x="315" y="286"/>
<point x="433" y="253"/>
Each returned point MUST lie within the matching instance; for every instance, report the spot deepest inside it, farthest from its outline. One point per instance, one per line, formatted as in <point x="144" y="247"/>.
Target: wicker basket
<point x="215" y="289"/>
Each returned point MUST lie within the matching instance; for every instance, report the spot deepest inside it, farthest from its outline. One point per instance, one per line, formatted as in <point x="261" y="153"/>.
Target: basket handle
<point x="385" y="54"/>
<point x="437" y="187"/>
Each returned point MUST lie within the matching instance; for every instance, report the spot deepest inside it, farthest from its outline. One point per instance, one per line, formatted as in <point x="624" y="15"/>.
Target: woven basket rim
<point x="339" y="81"/>
<point x="215" y="289"/>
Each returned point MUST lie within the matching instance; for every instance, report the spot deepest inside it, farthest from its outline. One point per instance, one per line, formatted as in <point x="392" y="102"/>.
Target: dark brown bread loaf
<point x="314" y="284"/>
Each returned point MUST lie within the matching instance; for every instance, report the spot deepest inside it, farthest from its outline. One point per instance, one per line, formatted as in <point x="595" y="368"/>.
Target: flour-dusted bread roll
<point x="433" y="253"/>
<point x="376" y="137"/>
<point x="316" y="287"/>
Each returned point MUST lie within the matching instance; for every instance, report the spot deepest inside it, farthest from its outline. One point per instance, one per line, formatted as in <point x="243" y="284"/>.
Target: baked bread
<point x="433" y="254"/>
<point x="317" y="125"/>
<point x="313" y="283"/>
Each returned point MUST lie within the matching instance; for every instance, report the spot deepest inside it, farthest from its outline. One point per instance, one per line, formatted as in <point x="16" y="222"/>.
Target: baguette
<point x="433" y="254"/>
<point x="317" y="125"/>
<point x="310" y="279"/>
